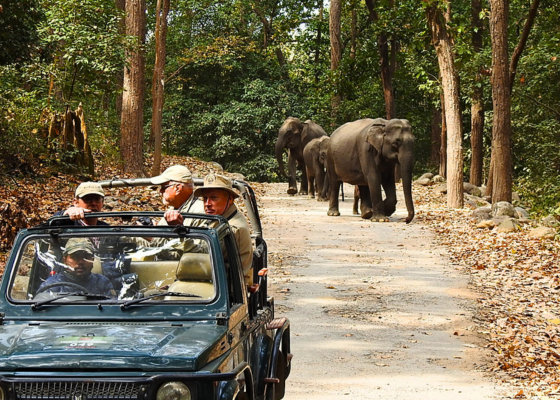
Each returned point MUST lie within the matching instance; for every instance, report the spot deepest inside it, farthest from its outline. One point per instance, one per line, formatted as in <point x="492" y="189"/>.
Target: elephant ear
<point x="375" y="136"/>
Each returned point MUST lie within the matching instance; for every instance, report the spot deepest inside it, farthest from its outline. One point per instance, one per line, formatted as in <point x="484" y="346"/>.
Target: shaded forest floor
<point x="516" y="276"/>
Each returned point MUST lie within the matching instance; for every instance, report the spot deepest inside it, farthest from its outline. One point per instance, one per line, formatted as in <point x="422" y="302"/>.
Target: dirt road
<point x="377" y="311"/>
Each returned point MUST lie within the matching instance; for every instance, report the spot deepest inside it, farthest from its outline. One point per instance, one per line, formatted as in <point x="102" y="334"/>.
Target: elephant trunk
<point x="279" y="151"/>
<point x="406" y="160"/>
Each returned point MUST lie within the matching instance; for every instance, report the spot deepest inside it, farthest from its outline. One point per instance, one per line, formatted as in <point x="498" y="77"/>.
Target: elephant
<point x="364" y="153"/>
<point x="315" y="157"/>
<point x="294" y="136"/>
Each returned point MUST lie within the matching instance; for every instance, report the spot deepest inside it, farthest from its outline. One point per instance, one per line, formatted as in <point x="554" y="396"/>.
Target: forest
<point x="123" y="82"/>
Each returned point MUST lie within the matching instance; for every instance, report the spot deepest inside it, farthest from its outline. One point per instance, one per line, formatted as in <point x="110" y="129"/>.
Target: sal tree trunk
<point x="450" y="84"/>
<point x="336" y="51"/>
<point x="158" y="82"/>
<point x="132" y="135"/>
<point x="477" y="104"/>
<point x="501" y="100"/>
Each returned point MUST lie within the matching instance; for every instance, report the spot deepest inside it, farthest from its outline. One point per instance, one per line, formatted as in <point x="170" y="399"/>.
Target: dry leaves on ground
<point x="519" y="284"/>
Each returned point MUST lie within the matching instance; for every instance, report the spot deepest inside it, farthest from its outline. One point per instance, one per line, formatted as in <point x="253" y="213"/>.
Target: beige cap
<point x="213" y="181"/>
<point x="75" y="245"/>
<point x="86" y="188"/>
<point x="176" y="173"/>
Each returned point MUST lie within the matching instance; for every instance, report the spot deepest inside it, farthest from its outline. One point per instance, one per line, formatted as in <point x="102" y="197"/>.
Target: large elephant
<point x="315" y="157"/>
<point x="364" y="153"/>
<point x="294" y="136"/>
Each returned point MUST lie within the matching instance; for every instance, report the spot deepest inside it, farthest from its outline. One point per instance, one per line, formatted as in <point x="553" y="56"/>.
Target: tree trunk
<point x="158" y="82"/>
<point x="132" y="134"/>
<point x="120" y="75"/>
<point x="450" y="83"/>
<point x="318" y="42"/>
<point x="336" y="52"/>
<point x="443" y="148"/>
<point x="435" y="137"/>
<point x="501" y="100"/>
<point x="477" y="103"/>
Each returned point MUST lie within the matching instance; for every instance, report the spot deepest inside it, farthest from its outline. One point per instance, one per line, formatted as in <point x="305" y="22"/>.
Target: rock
<point x="124" y="199"/>
<point x="515" y="197"/>
<point x="422" y="181"/>
<point x="479" y="200"/>
<point x="441" y="189"/>
<point x="427" y="175"/>
<point x="486" y="224"/>
<point x="509" y="225"/>
<point x="110" y="202"/>
<point x="238" y="177"/>
<point x="471" y="189"/>
<point x="521" y="213"/>
<point x="218" y="167"/>
<point x="481" y="214"/>
<point x="550" y="221"/>
<point x="500" y="219"/>
<point x="438" y="179"/>
<point x="542" y="232"/>
<point x="502" y="208"/>
<point x="469" y="203"/>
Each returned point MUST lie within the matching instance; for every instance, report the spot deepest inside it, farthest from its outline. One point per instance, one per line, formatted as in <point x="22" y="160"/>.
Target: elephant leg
<point x="356" y="200"/>
<point x="311" y="184"/>
<point x="390" y="202"/>
<point x="292" y="184"/>
<point x="320" y="181"/>
<point x="375" y="201"/>
<point x="334" y="188"/>
<point x="365" y="202"/>
<point x="304" y="189"/>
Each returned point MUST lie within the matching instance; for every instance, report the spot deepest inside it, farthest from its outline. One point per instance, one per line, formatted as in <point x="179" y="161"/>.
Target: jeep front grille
<point x="76" y="390"/>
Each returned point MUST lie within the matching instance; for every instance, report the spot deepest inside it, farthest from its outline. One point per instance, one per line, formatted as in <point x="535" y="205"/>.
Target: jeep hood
<point x="133" y="346"/>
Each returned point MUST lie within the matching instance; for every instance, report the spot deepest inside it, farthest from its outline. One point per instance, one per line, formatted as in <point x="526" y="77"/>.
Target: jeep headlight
<point x="173" y="391"/>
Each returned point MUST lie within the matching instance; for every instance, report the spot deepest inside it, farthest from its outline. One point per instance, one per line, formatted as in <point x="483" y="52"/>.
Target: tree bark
<point x="120" y="75"/>
<point x="435" y="137"/>
<point x="443" y="148"/>
<point x="501" y="100"/>
<point x="336" y="51"/>
<point x="318" y="42"/>
<point x="132" y="134"/>
<point x="268" y="33"/>
<point x="477" y="103"/>
<point x="450" y="83"/>
<point x="158" y="82"/>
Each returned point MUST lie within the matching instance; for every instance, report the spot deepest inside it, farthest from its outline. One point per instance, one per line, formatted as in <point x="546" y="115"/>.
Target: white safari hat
<point x="213" y="181"/>
<point x="86" y="188"/>
<point x="176" y="173"/>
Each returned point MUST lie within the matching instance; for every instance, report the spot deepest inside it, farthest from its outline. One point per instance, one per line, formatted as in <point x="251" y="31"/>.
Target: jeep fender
<point x="228" y="390"/>
<point x="261" y="354"/>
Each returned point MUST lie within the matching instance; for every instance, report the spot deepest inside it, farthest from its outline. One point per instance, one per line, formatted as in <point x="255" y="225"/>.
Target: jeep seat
<point x="194" y="276"/>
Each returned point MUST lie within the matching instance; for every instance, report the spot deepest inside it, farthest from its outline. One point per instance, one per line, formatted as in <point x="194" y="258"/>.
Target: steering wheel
<point x="55" y="284"/>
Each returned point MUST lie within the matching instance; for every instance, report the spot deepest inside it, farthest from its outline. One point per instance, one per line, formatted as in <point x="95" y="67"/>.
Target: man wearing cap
<point x="89" y="198"/>
<point x="176" y="186"/>
<point x="78" y="261"/>
<point x="219" y="196"/>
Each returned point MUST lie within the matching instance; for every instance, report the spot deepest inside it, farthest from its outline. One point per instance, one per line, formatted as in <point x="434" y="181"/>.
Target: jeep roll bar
<point x="246" y="191"/>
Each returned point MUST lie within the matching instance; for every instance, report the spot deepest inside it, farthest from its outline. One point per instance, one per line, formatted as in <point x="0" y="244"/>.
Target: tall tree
<point x="158" y="82"/>
<point x="336" y="52"/>
<point x="120" y="75"/>
<point x="503" y="75"/>
<point x="477" y="101"/>
<point x="450" y="83"/>
<point x="132" y="134"/>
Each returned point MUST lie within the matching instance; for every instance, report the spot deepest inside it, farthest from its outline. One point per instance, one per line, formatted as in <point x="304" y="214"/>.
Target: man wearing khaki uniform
<point x="219" y="196"/>
<point x="176" y="187"/>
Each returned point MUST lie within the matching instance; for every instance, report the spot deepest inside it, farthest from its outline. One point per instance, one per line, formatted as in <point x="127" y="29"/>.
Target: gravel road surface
<point x="376" y="309"/>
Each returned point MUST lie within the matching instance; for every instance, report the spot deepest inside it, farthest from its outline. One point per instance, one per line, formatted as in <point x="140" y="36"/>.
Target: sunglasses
<point x="164" y="187"/>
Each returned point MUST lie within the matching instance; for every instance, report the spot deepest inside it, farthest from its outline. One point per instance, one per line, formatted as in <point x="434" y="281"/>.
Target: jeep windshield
<point x="112" y="265"/>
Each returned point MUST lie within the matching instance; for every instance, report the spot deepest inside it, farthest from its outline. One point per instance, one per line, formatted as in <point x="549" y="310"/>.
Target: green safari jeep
<point x="164" y="314"/>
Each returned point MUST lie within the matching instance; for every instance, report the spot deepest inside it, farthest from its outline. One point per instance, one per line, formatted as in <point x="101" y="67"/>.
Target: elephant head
<point x="289" y="137"/>
<point x="323" y="149"/>
<point x="393" y="141"/>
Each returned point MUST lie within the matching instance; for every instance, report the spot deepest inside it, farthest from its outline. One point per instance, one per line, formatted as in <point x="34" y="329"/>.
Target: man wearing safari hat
<point x="219" y="196"/>
<point x="89" y="197"/>
<point x="78" y="258"/>
<point x="176" y="187"/>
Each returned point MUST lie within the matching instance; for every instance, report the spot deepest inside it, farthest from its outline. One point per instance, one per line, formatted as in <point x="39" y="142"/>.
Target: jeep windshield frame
<point x="210" y="306"/>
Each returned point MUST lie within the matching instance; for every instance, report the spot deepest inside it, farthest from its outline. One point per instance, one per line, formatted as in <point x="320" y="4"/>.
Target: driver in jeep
<point x="78" y="259"/>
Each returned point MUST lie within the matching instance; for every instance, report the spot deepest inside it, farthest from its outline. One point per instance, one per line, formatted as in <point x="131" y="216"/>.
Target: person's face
<point x="216" y="201"/>
<point x="80" y="263"/>
<point x="174" y="194"/>
<point x="93" y="202"/>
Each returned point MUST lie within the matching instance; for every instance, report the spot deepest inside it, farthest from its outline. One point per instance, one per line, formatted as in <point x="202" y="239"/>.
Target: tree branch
<point x="522" y="42"/>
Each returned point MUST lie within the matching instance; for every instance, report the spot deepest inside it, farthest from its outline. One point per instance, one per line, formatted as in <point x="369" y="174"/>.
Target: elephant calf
<point x="315" y="157"/>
